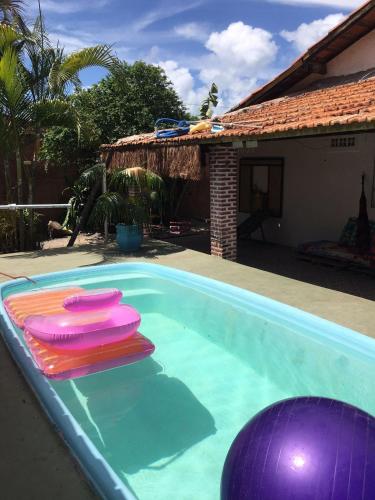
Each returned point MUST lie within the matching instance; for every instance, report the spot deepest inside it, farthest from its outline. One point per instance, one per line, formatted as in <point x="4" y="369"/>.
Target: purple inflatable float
<point x="302" y="449"/>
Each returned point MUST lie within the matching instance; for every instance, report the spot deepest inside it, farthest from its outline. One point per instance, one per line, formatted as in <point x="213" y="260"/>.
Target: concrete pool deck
<point x="34" y="463"/>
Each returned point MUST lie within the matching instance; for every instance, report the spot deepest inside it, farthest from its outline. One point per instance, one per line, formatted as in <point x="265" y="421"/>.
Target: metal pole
<point x="14" y="206"/>
<point x="104" y="189"/>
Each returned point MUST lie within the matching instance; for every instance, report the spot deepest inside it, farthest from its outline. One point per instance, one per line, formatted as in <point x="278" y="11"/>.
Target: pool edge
<point x="99" y="473"/>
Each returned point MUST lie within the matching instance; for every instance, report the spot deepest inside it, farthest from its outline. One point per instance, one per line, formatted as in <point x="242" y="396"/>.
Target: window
<point x="261" y="185"/>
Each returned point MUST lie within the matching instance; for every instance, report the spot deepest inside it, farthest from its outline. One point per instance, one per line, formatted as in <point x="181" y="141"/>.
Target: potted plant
<point x="128" y="204"/>
<point x="129" y="232"/>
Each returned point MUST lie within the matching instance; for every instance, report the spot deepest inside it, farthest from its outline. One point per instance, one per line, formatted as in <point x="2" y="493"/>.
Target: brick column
<point x="223" y="201"/>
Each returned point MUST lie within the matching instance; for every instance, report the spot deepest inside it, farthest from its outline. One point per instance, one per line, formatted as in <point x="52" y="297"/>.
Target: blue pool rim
<point x="106" y="482"/>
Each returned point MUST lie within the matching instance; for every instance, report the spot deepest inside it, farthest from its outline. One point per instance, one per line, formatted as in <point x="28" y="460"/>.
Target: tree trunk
<point x="31" y="177"/>
<point x="21" y="223"/>
<point x="13" y="239"/>
<point x="30" y="199"/>
<point x="85" y="212"/>
<point x="8" y="181"/>
<point x="89" y="204"/>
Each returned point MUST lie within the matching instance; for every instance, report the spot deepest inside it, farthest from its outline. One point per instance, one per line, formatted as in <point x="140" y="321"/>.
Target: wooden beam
<point x="316" y="67"/>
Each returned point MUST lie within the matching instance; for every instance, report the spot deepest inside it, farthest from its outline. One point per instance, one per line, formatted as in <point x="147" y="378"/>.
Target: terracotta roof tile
<point x="343" y="104"/>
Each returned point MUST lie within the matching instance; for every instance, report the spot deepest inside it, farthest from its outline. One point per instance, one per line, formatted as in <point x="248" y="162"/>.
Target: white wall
<point x="322" y="186"/>
<point x="358" y="57"/>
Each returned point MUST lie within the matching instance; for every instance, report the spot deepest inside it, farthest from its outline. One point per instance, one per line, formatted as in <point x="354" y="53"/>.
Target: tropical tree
<point x="11" y="12"/>
<point x="126" y="102"/>
<point x="129" y="101"/>
<point x="35" y="81"/>
<point x="130" y="198"/>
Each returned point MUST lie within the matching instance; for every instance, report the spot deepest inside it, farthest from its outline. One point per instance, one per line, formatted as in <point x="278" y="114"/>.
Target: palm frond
<point x="108" y="206"/>
<point x="138" y="178"/>
<point x="91" y="175"/>
<point x="8" y="36"/>
<point x="67" y="70"/>
<point x="12" y="12"/>
<point x="39" y="59"/>
<point x="54" y="112"/>
<point x="11" y="8"/>
<point x="14" y="98"/>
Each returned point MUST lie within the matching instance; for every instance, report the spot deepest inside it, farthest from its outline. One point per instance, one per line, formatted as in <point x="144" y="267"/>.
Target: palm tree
<point x="129" y="200"/>
<point x="11" y="12"/>
<point x="34" y="91"/>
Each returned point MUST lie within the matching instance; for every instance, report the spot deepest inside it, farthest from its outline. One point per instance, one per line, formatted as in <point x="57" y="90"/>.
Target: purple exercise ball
<point x="302" y="449"/>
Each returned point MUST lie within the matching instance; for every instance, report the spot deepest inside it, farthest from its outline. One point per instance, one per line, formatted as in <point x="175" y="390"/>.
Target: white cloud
<point x="184" y="84"/>
<point x="192" y="31"/>
<point x="243" y="45"/>
<point x="240" y="56"/>
<point x="237" y="59"/>
<point x="343" y="4"/>
<point x="308" y="33"/>
<point x="165" y="11"/>
<point x="68" y="42"/>
<point x="69" y="6"/>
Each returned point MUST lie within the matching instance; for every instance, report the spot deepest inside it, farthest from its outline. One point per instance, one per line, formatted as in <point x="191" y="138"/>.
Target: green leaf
<point x="89" y="176"/>
<point x="136" y="177"/>
<point x="66" y="71"/>
<point x="14" y="98"/>
<point x="108" y="206"/>
<point x="55" y="112"/>
<point x="8" y="36"/>
<point x="210" y="102"/>
<point x="12" y="11"/>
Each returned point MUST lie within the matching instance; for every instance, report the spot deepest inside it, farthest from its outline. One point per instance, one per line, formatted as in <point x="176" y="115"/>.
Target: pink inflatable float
<point x="93" y="299"/>
<point x="74" y="331"/>
<point x="63" y="365"/>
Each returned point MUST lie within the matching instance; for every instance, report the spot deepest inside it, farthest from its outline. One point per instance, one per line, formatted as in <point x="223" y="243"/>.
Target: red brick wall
<point x="223" y="201"/>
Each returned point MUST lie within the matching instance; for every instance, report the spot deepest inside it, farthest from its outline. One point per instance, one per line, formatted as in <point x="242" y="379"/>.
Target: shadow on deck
<point x="284" y="261"/>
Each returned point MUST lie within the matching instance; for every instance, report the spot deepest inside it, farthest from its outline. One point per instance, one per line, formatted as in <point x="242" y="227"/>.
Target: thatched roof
<point x="182" y="162"/>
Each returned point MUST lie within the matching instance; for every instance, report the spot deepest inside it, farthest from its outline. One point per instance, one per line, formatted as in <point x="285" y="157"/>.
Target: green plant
<point x="8" y="231"/>
<point x="128" y="101"/>
<point x="132" y="193"/>
<point x="35" y="82"/>
<point x="12" y="13"/>
<point x="209" y="103"/>
<point x="63" y="146"/>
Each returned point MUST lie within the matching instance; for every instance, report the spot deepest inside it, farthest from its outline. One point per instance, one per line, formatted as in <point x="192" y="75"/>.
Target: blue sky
<point x="239" y="44"/>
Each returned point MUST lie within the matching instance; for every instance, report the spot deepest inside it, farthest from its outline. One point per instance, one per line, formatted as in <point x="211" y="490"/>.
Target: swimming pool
<point x="161" y="428"/>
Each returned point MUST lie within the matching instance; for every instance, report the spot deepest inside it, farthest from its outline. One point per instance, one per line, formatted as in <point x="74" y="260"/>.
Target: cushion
<point x="349" y="233"/>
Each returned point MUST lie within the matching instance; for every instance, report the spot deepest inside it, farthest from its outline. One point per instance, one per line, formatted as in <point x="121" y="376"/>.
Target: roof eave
<point x="335" y="129"/>
<point x="306" y="63"/>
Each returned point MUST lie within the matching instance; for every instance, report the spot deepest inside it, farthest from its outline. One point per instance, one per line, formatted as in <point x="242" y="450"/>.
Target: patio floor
<point x="284" y="261"/>
<point x="35" y="464"/>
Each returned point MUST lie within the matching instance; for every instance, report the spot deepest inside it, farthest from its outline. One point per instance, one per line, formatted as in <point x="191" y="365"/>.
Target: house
<point x="298" y="146"/>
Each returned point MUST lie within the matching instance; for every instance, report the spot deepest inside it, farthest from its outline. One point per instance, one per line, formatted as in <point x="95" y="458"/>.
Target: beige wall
<point x="322" y="186"/>
<point x="358" y="57"/>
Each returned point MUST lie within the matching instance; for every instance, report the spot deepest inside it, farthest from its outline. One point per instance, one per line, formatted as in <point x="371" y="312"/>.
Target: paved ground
<point x="34" y="463"/>
<point x="284" y="261"/>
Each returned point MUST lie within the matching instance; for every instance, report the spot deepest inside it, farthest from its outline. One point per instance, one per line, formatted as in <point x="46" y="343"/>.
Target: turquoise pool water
<point x="164" y="425"/>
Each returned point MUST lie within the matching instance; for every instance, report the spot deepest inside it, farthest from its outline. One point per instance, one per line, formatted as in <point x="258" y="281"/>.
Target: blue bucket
<point x="129" y="238"/>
